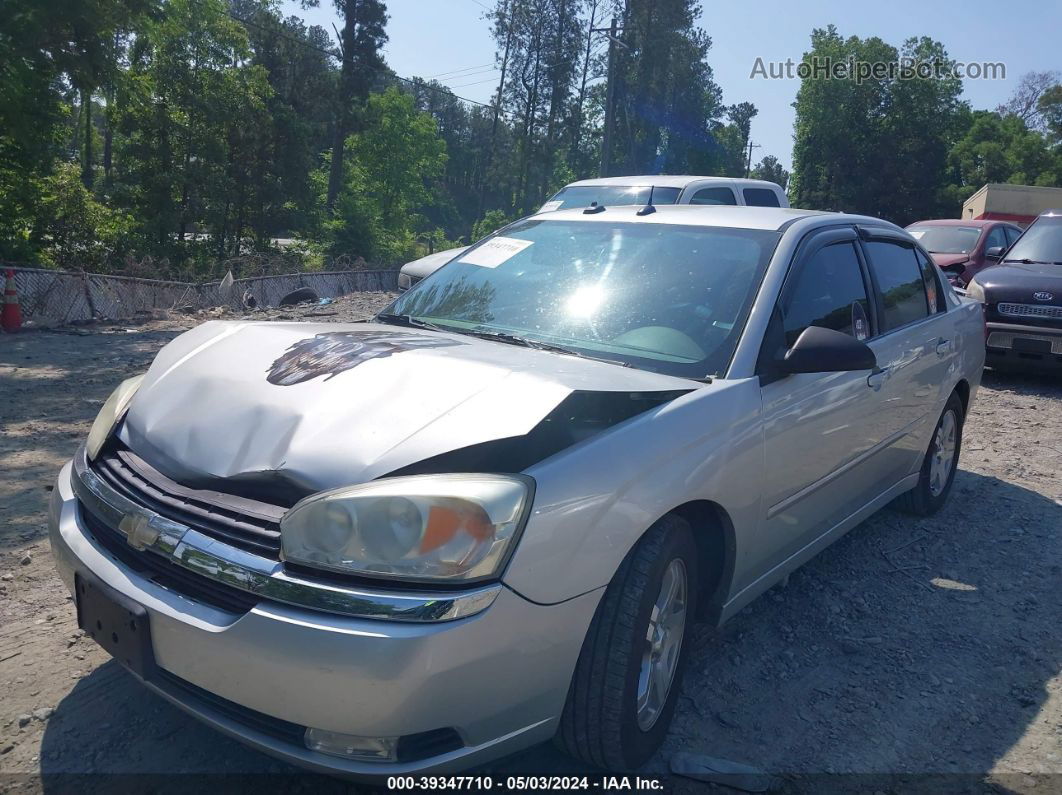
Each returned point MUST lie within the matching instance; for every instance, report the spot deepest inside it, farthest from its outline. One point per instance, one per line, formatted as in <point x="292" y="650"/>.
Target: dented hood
<point x="328" y="405"/>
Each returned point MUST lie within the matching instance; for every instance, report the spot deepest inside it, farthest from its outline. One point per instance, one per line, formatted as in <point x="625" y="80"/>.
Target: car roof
<point x="977" y="224"/>
<point x="740" y="217"/>
<point x="667" y="181"/>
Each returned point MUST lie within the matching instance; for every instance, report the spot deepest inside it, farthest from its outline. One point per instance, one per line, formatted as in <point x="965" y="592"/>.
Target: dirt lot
<point x="909" y="647"/>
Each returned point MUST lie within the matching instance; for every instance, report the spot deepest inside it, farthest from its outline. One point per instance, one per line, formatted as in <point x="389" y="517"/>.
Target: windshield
<point x="1041" y="242"/>
<point x="661" y="297"/>
<point x="946" y="239"/>
<point x="609" y="196"/>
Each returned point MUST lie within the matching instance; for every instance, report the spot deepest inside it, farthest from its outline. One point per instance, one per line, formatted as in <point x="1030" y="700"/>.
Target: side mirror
<point x="995" y="252"/>
<point x="823" y="350"/>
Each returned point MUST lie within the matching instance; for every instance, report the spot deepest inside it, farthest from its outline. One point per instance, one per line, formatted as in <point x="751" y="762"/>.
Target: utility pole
<point x="610" y="98"/>
<point x="748" y="159"/>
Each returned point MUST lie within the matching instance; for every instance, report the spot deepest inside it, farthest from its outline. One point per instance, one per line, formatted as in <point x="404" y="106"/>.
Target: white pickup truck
<point x="615" y="191"/>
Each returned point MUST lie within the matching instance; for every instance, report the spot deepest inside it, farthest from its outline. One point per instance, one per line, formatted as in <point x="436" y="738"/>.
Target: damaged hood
<point x="328" y="405"/>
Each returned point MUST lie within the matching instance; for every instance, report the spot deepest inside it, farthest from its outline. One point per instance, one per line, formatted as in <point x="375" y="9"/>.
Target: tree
<point x="83" y="233"/>
<point x="50" y="52"/>
<point x="876" y="145"/>
<point x="392" y="163"/>
<point x="1024" y="103"/>
<point x="541" y="41"/>
<point x="1049" y="107"/>
<point x="771" y="170"/>
<point x="360" y="41"/>
<point x="667" y="99"/>
<point x="192" y="114"/>
<point x="996" y="148"/>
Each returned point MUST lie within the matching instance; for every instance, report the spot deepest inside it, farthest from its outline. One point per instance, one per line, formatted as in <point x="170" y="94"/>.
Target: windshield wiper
<point x="524" y="342"/>
<point x="1027" y="261"/>
<point x="409" y="321"/>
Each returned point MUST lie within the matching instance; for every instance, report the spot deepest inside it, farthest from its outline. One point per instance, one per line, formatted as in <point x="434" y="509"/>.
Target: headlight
<point x="420" y="527"/>
<point x="975" y="291"/>
<point x="111" y="413"/>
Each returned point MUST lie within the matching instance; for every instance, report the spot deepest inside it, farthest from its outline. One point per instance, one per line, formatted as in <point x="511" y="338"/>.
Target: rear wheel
<point x="939" y="465"/>
<point x="629" y="672"/>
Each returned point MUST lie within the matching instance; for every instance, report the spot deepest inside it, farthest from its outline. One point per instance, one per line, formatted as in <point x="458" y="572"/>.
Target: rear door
<point x="914" y="347"/>
<point x="822" y="431"/>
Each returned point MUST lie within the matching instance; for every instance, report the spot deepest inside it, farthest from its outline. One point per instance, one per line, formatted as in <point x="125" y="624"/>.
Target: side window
<point x="714" y="196"/>
<point x="1012" y="234"/>
<point x="903" y="290"/>
<point x="996" y="237"/>
<point x="934" y="296"/>
<point x="828" y="292"/>
<point x="760" y="197"/>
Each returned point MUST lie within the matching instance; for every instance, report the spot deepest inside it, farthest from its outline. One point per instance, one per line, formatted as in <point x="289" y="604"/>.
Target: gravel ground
<point x="910" y="647"/>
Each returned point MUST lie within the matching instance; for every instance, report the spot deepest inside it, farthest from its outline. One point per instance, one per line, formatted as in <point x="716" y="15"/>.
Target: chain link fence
<point x="68" y="297"/>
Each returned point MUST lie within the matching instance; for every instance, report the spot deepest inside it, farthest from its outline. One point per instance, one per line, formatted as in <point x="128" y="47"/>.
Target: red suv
<point x="963" y="248"/>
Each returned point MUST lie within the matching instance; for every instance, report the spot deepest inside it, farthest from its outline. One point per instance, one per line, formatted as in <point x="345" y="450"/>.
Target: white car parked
<point x="617" y="191"/>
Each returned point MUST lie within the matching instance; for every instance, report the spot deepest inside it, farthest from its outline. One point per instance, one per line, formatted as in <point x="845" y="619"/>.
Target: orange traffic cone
<point x="11" y="315"/>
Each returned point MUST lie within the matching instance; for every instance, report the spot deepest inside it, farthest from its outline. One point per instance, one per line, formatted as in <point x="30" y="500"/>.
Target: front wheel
<point x="939" y="465"/>
<point x="627" y="679"/>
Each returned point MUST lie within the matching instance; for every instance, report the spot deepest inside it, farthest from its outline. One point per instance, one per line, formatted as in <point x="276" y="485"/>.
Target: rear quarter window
<point x="714" y="196"/>
<point x="760" y="197"/>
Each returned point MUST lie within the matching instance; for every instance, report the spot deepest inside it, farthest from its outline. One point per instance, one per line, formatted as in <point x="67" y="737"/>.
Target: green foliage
<point x="906" y="149"/>
<point x="185" y="132"/>
<point x="489" y="224"/>
<point x="877" y="146"/>
<point x="771" y="170"/>
<point x="82" y="233"/>
<point x="390" y="168"/>
<point x="667" y="98"/>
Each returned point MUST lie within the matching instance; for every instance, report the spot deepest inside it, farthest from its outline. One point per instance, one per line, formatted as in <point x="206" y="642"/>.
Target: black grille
<point x="257" y="721"/>
<point x="166" y="574"/>
<point x="428" y="744"/>
<point x="248" y="524"/>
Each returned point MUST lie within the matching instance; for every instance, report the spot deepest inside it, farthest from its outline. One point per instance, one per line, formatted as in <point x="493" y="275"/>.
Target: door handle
<point x="943" y="346"/>
<point x="877" y="378"/>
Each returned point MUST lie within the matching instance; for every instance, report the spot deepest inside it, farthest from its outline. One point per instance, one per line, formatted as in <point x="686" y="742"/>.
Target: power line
<point x="477" y="83"/>
<point x="466" y="69"/>
<point x="332" y="54"/>
<point x="465" y="76"/>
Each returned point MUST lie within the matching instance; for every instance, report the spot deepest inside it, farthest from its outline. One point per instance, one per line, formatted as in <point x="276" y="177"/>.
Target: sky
<point x="451" y="39"/>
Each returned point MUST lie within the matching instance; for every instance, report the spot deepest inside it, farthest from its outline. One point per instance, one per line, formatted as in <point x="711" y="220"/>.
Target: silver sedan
<point x="490" y="517"/>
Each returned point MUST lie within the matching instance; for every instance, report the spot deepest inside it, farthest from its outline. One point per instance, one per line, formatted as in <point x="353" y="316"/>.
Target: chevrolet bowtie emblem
<point x="138" y="531"/>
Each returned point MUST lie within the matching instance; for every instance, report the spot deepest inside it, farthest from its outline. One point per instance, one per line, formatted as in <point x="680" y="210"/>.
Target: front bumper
<point x="498" y="678"/>
<point x="1013" y="345"/>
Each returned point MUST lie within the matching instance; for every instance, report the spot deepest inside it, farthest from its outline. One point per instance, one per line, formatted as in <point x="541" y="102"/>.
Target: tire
<point x="602" y="723"/>
<point x="932" y="490"/>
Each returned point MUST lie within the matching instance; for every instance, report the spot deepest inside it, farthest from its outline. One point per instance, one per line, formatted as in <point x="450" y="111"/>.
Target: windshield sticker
<point x="916" y="233"/>
<point x="334" y="352"/>
<point x="549" y="207"/>
<point x="495" y="251"/>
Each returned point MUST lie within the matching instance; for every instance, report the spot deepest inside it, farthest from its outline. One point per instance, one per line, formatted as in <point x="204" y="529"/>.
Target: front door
<point x="822" y="431"/>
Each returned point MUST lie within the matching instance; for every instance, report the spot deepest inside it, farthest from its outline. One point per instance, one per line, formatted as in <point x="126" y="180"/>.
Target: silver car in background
<point x="490" y="517"/>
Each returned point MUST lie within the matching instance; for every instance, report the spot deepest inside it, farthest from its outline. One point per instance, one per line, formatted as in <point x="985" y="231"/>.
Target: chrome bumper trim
<point x="185" y="546"/>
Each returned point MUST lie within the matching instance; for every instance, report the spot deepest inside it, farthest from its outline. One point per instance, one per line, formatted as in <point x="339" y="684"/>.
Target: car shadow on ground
<point x="905" y="648"/>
